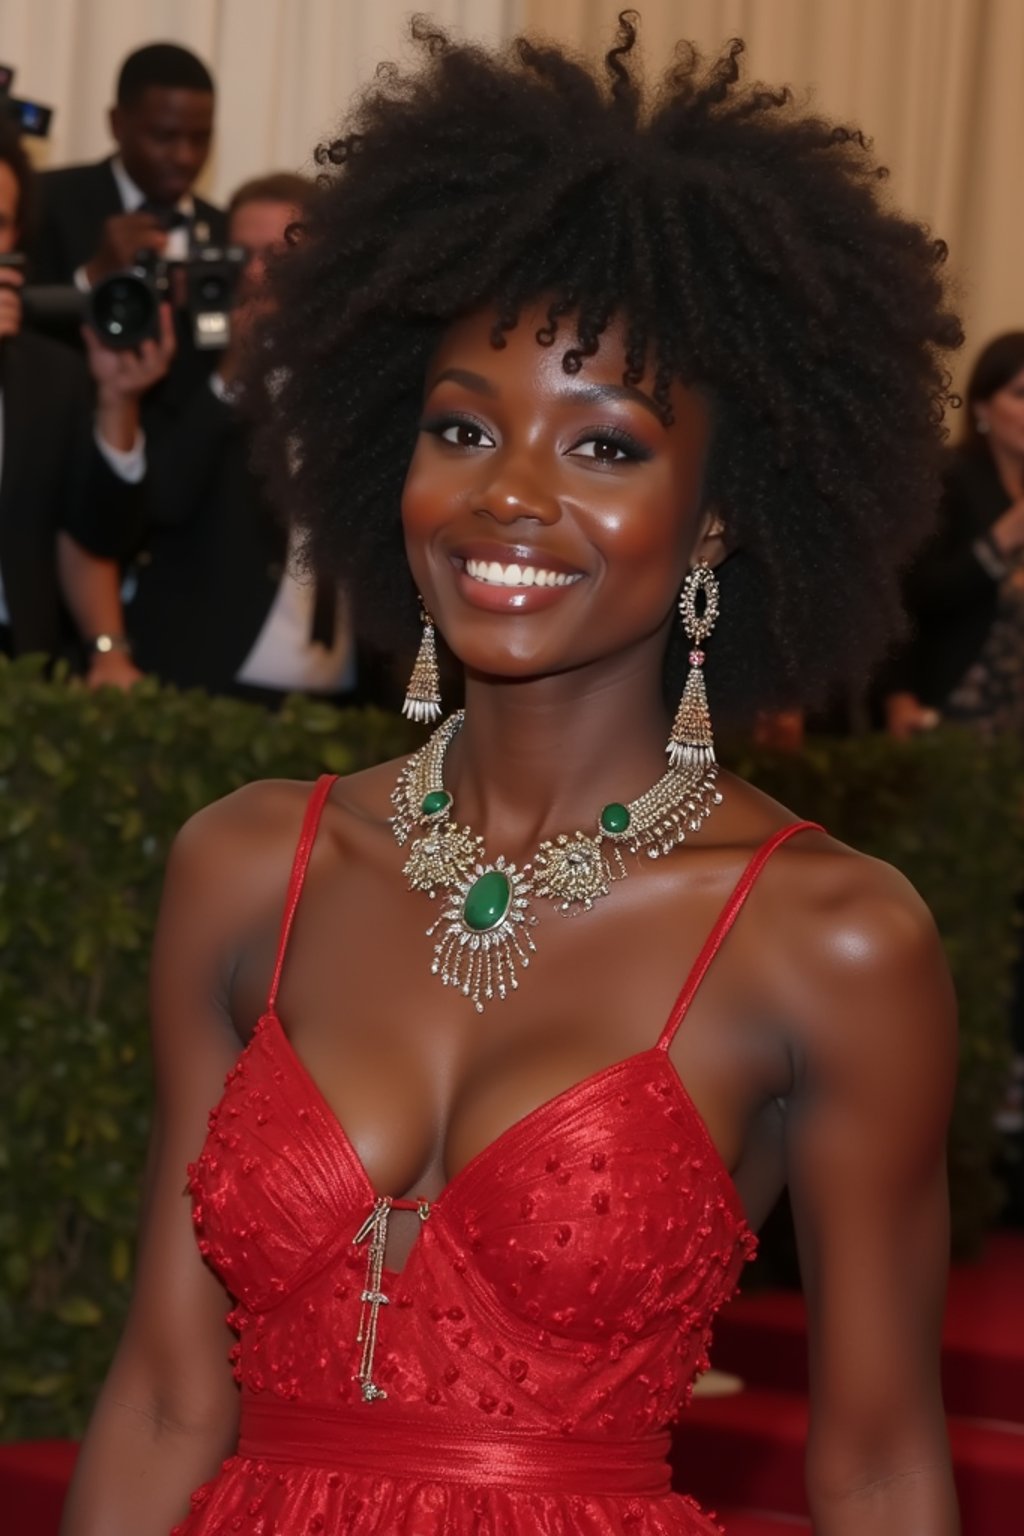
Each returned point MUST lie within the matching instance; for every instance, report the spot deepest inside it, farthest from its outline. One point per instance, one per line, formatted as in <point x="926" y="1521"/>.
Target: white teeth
<point x="497" y="575"/>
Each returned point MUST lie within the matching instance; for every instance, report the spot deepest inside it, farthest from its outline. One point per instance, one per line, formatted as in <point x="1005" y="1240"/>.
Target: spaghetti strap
<point x="307" y="837"/>
<point x="730" y="912"/>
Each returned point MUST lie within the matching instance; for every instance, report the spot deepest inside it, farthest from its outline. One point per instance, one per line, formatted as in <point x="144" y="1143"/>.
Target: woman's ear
<point x="712" y="544"/>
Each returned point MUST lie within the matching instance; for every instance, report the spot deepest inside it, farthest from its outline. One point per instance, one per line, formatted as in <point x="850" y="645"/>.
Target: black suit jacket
<point x="53" y="476"/>
<point x="212" y="560"/>
<point x="214" y="550"/>
<point x="75" y="202"/>
<point x="950" y="598"/>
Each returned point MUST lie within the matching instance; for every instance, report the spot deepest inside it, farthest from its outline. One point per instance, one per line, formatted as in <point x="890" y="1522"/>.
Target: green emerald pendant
<point x="615" y="818"/>
<point x="437" y="800"/>
<point x="487" y="901"/>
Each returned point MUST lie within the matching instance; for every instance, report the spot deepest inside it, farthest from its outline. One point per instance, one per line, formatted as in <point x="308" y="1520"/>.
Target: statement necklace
<point x="484" y="928"/>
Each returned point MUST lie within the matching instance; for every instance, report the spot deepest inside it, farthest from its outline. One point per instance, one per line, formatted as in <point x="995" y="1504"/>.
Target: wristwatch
<point x="102" y="645"/>
<point x="991" y="558"/>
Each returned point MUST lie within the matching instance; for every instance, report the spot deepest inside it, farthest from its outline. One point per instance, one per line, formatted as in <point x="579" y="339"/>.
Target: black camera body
<point x="124" y="309"/>
<point x="31" y="117"/>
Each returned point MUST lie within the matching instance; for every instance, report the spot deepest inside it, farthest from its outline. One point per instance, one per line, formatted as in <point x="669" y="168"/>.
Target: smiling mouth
<point x="492" y="573"/>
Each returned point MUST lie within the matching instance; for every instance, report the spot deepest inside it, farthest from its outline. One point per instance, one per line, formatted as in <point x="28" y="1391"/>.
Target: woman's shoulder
<point x="248" y="837"/>
<point x="836" y="912"/>
<point x="855" y="960"/>
<point x="849" y="960"/>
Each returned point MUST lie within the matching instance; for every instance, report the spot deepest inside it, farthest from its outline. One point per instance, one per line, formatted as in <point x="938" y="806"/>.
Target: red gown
<point x="541" y="1338"/>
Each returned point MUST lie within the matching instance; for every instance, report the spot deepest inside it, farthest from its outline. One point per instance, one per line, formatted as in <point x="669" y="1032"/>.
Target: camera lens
<point x="212" y="292"/>
<point x="123" y="309"/>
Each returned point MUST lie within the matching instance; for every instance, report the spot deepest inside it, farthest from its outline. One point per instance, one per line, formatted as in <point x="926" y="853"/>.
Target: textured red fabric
<point x="542" y="1336"/>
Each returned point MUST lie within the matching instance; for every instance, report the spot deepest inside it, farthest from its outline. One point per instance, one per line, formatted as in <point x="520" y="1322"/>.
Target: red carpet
<point x="743" y="1455"/>
<point x="33" y="1477"/>
<point x="747" y="1450"/>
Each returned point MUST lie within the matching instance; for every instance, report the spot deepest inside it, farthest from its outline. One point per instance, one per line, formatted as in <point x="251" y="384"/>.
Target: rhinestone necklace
<point x="484" y="929"/>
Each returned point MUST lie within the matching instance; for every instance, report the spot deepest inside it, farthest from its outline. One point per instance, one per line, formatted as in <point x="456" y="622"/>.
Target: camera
<point x="124" y="309"/>
<point x="31" y="116"/>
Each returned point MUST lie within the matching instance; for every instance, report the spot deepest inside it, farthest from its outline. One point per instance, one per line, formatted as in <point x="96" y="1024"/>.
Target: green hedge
<point x="93" y="789"/>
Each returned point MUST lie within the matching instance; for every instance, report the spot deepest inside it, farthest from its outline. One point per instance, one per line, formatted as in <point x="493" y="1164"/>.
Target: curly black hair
<point x="747" y="247"/>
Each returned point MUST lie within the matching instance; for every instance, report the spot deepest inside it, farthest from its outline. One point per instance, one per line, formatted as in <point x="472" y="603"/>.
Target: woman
<point x="591" y="350"/>
<point x="965" y="594"/>
<point x="966" y="590"/>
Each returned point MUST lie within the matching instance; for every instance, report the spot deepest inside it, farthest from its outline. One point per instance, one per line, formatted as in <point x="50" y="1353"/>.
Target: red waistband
<point x="383" y="1440"/>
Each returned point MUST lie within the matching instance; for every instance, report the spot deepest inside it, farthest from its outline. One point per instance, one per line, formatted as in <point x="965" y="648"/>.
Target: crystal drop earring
<point x="423" y="695"/>
<point x="691" y="742"/>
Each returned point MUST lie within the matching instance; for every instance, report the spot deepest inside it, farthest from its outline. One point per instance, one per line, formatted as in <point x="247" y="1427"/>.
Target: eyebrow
<point x="592" y="394"/>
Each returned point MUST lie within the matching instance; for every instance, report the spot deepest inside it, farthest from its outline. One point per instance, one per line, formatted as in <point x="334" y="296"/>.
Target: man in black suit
<point x="70" y="465"/>
<point x="95" y="219"/>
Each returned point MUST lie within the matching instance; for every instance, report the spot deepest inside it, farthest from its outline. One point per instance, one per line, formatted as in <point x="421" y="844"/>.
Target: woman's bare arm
<point x="167" y="1413"/>
<point x="867" y="1173"/>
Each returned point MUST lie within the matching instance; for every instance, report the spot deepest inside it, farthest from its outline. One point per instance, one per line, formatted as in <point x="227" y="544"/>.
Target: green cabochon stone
<point x="614" y="818"/>
<point x="487" y="901"/>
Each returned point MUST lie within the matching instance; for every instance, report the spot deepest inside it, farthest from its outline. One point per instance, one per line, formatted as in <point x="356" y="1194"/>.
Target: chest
<point x="422" y="1082"/>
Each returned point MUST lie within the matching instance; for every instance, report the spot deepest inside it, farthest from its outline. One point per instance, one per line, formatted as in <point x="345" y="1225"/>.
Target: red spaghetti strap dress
<point x="524" y="1369"/>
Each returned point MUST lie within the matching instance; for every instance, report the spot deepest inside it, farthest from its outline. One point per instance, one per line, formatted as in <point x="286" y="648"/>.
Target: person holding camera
<point x="97" y="219"/>
<point x="216" y="548"/>
<point x="70" y="465"/>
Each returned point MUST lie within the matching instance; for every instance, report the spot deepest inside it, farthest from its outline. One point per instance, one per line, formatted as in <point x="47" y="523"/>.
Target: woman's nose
<point x="514" y="493"/>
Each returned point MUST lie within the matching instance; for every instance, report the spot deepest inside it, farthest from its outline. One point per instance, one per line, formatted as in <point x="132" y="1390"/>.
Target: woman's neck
<point x="1010" y="468"/>
<point x="544" y="755"/>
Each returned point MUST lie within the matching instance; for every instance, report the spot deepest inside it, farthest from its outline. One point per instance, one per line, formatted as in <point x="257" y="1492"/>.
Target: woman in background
<point x="965" y="598"/>
<point x="965" y="591"/>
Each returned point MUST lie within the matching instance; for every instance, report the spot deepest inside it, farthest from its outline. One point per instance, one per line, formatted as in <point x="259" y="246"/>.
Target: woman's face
<point x="549" y="517"/>
<point x="1001" y="416"/>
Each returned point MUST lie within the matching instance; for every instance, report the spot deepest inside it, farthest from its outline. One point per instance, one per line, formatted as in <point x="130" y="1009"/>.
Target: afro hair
<point x="750" y="252"/>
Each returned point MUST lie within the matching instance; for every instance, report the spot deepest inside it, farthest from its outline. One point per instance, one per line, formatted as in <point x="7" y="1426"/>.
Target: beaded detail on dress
<point x="542" y="1335"/>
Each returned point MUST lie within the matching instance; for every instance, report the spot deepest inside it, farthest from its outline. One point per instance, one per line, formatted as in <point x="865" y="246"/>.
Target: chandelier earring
<point x="423" y="695"/>
<point x="691" y="743"/>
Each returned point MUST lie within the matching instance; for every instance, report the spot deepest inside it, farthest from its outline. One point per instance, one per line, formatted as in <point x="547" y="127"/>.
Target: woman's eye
<point x="461" y="434"/>
<point x="606" y="449"/>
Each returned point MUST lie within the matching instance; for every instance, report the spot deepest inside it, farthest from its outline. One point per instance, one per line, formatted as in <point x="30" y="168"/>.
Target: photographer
<point x="217" y="604"/>
<point x="96" y="219"/>
<point x="70" y="470"/>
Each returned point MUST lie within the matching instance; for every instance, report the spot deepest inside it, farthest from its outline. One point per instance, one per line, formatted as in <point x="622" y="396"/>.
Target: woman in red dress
<point x="480" y="1176"/>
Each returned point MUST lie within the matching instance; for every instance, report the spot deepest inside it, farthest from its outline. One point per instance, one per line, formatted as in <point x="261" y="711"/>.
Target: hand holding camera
<point x="123" y="375"/>
<point x="124" y="236"/>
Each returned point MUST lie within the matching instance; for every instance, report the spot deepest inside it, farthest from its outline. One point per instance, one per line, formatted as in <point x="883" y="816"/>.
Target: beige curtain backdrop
<point x="285" y="69"/>
<point x="938" y="84"/>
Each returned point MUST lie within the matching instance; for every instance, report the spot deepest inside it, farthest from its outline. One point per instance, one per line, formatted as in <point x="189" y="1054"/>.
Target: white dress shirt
<point x="285" y="657"/>
<point x="132" y="199"/>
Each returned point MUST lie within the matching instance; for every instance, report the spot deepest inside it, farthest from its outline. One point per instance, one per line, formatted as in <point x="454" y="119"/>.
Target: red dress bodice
<point x="541" y="1338"/>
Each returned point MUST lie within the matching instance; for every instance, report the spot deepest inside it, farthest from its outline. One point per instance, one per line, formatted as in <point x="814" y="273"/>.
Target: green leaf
<point x="78" y="1312"/>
